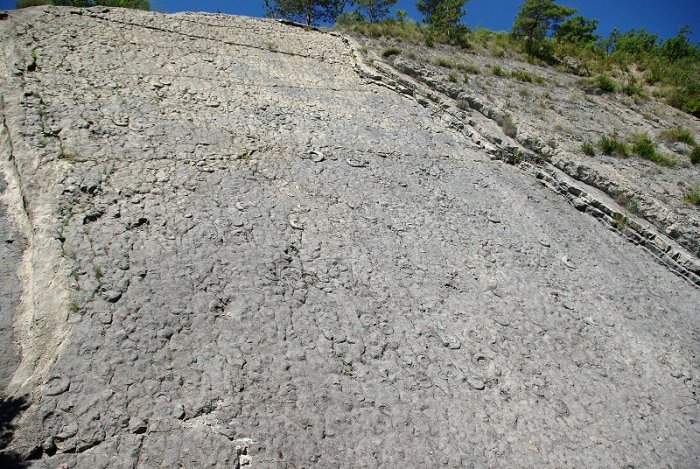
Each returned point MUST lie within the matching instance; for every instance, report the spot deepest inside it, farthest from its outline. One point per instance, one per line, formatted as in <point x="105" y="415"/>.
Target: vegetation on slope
<point x="635" y="62"/>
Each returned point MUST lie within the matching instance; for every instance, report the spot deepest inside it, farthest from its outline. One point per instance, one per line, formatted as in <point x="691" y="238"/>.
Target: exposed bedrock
<point x="255" y="253"/>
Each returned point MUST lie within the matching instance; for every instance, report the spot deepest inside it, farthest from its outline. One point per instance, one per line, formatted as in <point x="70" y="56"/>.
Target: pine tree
<point x="577" y="30"/>
<point x="376" y="10"/>
<point x="306" y="11"/>
<point x="537" y="17"/>
<point x="443" y="14"/>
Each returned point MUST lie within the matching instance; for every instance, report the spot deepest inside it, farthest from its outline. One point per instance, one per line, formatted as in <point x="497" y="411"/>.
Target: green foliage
<point x="389" y="51"/>
<point x="401" y="15"/>
<point x="452" y="77"/>
<point x="631" y="88"/>
<point x="679" y="134"/>
<point x="350" y="17"/>
<point x="32" y="3"/>
<point x="693" y="197"/>
<point x="445" y="62"/>
<point x="671" y="68"/>
<point x="470" y="68"/>
<point x="536" y="18"/>
<point x="610" y="145"/>
<point x="443" y="17"/>
<point x="644" y="147"/>
<point x="135" y="4"/>
<point x="442" y="14"/>
<point x="305" y="11"/>
<point x="376" y="10"/>
<point x="407" y="30"/>
<point x="633" y="42"/>
<point x="577" y="30"/>
<point x="498" y="71"/>
<point x="606" y="84"/>
<point x="588" y="149"/>
<point x="695" y="155"/>
<point x="679" y="47"/>
<point x="522" y="75"/>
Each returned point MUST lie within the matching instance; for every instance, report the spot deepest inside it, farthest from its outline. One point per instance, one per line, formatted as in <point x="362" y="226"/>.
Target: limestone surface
<point x="243" y="245"/>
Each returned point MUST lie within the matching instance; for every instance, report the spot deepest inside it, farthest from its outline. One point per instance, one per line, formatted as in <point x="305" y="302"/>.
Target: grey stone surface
<point x="555" y="117"/>
<point x="10" y="291"/>
<point x="235" y="299"/>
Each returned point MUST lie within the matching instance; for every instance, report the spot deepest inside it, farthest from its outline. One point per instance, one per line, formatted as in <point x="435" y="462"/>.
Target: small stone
<point x="295" y="223"/>
<point x="476" y="383"/>
<point x="567" y="262"/>
<point x="56" y="384"/>
<point x="137" y="426"/>
<point x="111" y="295"/>
<point x="451" y="342"/>
<point x="356" y="163"/>
<point x="579" y="204"/>
<point x="316" y="156"/>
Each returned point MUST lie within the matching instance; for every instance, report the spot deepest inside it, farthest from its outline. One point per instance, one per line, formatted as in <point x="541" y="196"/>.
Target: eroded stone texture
<point x="402" y="300"/>
<point x="10" y="256"/>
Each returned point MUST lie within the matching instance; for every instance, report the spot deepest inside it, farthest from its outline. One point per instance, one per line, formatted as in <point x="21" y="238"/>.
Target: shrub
<point x="445" y="62"/>
<point x="588" y="149"/>
<point x="644" y="147"/>
<point x="521" y="75"/>
<point x="389" y="51"/>
<point x="679" y="134"/>
<point x="606" y="84"/>
<point x="610" y="145"/>
<point x="452" y="77"/>
<point x="693" y="197"/>
<point x="628" y="202"/>
<point x="507" y="124"/>
<point x="539" y="80"/>
<point x="498" y="71"/>
<point x="631" y="89"/>
<point x="470" y="68"/>
<point x="695" y="155"/>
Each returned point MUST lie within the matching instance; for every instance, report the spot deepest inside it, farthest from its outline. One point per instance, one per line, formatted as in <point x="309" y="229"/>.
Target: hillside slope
<point x="244" y="243"/>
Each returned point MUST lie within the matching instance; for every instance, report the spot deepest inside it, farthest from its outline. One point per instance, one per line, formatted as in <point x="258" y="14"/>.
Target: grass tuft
<point x="445" y="62"/>
<point x="679" y="134"/>
<point x="610" y="145"/>
<point x="522" y="75"/>
<point x="588" y="149"/>
<point x="644" y="147"/>
<point x="695" y="155"/>
<point x="693" y="197"/>
<point x="390" y="51"/>
<point x="606" y="84"/>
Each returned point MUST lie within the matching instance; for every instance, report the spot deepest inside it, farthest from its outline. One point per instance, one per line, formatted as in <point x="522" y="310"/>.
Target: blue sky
<point x="658" y="16"/>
